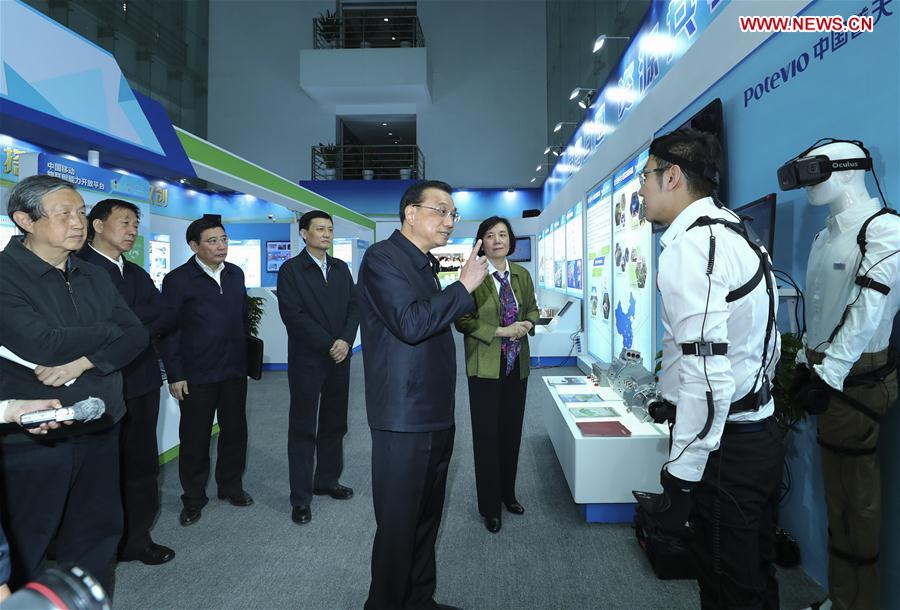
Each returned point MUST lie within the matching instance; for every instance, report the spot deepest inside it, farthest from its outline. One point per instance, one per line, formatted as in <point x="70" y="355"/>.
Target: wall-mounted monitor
<point x="276" y="253"/>
<point x="759" y="218"/>
<point x="710" y="120"/>
<point x="522" y="252"/>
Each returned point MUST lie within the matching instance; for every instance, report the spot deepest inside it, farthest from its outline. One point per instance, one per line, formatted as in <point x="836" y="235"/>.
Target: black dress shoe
<point x="190" y="516"/>
<point x="301" y="515"/>
<point x="515" y="508"/>
<point x="241" y="498"/>
<point x="338" y="492"/>
<point x="492" y="524"/>
<point x="153" y="555"/>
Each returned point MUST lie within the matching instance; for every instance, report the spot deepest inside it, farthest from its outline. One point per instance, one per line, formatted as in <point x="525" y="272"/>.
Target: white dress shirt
<point x="322" y="264"/>
<point x="118" y="261"/>
<point x="492" y="269"/>
<point x="694" y="307"/>
<point x="830" y="286"/>
<point x="213" y="272"/>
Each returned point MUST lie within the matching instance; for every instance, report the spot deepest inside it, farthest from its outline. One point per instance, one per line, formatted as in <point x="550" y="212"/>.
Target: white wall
<point x="485" y="126"/>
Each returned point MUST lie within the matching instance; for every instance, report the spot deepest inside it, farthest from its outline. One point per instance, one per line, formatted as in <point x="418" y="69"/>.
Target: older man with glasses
<point x="410" y="363"/>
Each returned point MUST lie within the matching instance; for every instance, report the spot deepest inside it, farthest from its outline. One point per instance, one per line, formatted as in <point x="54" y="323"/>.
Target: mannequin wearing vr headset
<point x="719" y="352"/>
<point x="846" y="373"/>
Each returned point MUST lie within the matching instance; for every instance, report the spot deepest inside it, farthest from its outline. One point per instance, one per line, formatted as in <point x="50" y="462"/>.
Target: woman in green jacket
<point x="496" y="341"/>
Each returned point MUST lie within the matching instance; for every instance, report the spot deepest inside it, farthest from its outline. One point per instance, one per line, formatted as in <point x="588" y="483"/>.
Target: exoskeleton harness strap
<point x="863" y="281"/>
<point x="753" y="400"/>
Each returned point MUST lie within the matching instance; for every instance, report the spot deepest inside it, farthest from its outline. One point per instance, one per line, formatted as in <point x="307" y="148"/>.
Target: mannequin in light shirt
<point x="828" y="370"/>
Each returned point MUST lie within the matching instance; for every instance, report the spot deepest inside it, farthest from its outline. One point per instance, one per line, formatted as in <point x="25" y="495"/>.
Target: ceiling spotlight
<point x="553" y="149"/>
<point x="534" y="179"/>
<point x="384" y="124"/>
<point x="386" y="19"/>
<point x="587" y="99"/>
<point x="559" y="125"/>
<point x="390" y="133"/>
<point x="579" y="92"/>
<point x="602" y="38"/>
<point x="183" y="181"/>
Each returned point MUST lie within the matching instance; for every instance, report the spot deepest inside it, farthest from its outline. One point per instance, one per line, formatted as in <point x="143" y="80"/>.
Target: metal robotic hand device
<point x="636" y="385"/>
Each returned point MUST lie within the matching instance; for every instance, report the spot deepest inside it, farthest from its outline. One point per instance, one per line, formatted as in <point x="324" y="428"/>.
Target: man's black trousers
<point x="140" y="472"/>
<point x="409" y="478"/>
<point x="318" y="423"/>
<point x="229" y="399"/>
<point x="71" y="484"/>
<point x="734" y="520"/>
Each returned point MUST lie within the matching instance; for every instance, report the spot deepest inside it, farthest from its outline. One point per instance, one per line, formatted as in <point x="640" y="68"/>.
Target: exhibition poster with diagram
<point x="632" y="279"/>
<point x="574" y="248"/>
<point x="598" y="270"/>
<point x="559" y="254"/>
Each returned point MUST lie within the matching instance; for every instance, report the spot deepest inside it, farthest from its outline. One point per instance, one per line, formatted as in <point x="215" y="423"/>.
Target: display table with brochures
<point x="604" y="450"/>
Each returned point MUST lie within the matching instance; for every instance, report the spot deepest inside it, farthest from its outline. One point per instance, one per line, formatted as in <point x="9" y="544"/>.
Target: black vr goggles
<point x="803" y="171"/>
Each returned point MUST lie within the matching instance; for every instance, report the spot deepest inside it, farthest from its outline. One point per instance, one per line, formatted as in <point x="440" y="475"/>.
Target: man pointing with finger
<point x="410" y="367"/>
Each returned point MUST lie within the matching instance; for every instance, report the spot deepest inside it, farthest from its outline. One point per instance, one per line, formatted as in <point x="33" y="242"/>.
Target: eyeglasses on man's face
<point x="442" y="212"/>
<point x="642" y="176"/>
<point x="215" y="241"/>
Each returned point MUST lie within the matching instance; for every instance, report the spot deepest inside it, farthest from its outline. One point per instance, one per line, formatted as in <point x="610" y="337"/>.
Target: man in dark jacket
<point x="112" y="229"/>
<point x="410" y="366"/>
<point x="65" y="315"/>
<point x="318" y="307"/>
<point x="206" y="366"/>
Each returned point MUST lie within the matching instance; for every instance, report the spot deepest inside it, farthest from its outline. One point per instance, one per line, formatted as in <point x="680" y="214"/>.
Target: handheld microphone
<point x="89" y="409"/>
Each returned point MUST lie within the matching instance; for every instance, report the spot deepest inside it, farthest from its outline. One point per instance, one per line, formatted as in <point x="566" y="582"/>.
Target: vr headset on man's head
<point x="803" y="171"/>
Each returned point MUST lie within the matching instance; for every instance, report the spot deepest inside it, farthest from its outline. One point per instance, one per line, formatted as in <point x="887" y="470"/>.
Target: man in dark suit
<point x="112" y="228"/>
<point x="206" y="365"/>
<point x="410" y="366"/>
<point x="318" y="307"/>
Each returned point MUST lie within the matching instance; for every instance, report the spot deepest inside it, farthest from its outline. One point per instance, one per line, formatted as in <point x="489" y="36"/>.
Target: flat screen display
<point x="710" y="120"/>
<point x="276" y="253"/>
<point x="522" y="252"/>
<point x="759" y="218"/>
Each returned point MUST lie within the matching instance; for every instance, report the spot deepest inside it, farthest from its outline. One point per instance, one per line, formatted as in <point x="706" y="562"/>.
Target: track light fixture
<point x="560" y="125"/>
<point x="553" y="149"/>
<point x="602" y="38"/>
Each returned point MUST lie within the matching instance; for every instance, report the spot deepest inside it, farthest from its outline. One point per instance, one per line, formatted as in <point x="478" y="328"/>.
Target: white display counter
<point x="602" y="471"/>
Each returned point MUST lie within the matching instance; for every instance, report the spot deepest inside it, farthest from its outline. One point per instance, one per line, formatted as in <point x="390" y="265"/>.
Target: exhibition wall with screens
<point x="598" y="271"/>
<point x="632" y="258"/>
<point x="574" y="221"/>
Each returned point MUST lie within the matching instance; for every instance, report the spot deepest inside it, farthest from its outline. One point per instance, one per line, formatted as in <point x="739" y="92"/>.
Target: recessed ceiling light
<point x="386" y="19"/>
<point x="390" y="133"/>
<point x="384" y="124"/>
